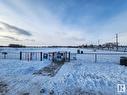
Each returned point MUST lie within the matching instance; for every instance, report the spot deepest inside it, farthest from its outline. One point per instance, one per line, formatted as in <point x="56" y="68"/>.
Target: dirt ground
<point x="3" y="88"/>
<point x="50" y="70"/>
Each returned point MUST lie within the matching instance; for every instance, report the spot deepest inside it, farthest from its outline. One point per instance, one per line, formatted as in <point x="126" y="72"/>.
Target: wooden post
<point x="20" y="55"/>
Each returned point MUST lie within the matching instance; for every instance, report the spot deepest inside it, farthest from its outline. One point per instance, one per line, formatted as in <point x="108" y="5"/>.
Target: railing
<point x="101" y="57"/>
<point x="36" y="56"/>
<point x="86" y="57"/>
<point x="9" y="55"/>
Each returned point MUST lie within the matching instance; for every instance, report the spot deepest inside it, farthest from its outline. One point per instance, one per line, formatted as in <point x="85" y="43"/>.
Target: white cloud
<point x="48" y="29"/>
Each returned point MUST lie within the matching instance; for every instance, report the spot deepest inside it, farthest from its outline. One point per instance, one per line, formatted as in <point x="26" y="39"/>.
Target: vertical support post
<point x="69" y="56"/>
<point x="40" y="56"/>
<point x="117" y="42"/>
<point x="20" y="55"/>
<point x="26" y="55"/>
<point x="65" y="56"/>
<point x="95" y="58"/>
<point x="35" y="56"/>
<point x="53" y="54"/>
<point x="30" y="55"/>
<point x="4" y="56"/>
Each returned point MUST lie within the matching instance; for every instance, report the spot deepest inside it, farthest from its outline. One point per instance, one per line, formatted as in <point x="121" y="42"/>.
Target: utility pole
<point x="98" y="43"/>
<point x="117" y="42"/>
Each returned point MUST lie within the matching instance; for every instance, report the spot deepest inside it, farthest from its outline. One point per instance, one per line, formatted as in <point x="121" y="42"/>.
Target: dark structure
<point x="123" y="61"/>
<point x="4" y="54"/>
<point x="16" y="46"/>
<point x="78" y="51"/>
<point x="81" y="52"/>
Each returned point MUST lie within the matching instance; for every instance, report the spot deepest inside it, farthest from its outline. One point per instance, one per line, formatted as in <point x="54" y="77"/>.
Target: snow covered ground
<point x="78" y="77"/>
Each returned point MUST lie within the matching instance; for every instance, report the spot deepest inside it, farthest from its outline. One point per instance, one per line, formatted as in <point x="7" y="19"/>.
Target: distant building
<point x="109" y="45"/>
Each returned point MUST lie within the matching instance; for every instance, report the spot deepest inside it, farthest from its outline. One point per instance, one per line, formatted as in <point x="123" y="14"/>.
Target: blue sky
<point x="62" y="22"/>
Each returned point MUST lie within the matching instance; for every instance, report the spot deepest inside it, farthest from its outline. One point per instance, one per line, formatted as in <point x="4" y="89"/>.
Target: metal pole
<point x="40" y="56"/>
<point x="31" y="55"/>
<point x="116" y="42"/>
<point x="69" y="56"/>
<point x="20" y="55"/>
<point x="98" y="43"/>
<point x="95" y="58"/>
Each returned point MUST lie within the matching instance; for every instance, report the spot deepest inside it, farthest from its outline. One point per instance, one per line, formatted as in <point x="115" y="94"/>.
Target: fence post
<point x="40" y="56"/>
<point x="65" y="56"/>
<point x="20" y="55"/>
<point x="30" y="55"/>
<point x="95" y="57"/>
<point x="4" y="56"/>
<point x="53" y="55"/>
<point x="69" y="56"/>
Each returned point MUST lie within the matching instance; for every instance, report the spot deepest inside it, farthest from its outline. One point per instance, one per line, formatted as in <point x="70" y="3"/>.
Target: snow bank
<point x="78" y="78"/>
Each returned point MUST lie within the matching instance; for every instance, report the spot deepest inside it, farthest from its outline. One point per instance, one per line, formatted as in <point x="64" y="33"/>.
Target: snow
<point x="81" y="76"/>
<point x="18" y="73"/>
<point x="16" y="67"/>
<point x="78" y="77"/>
